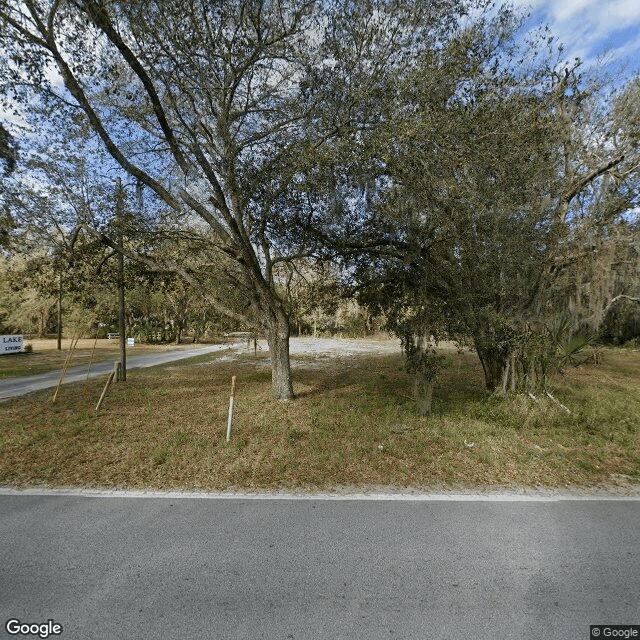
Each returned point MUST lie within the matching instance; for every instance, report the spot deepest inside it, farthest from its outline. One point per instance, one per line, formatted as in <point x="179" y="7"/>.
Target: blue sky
<point x="590" y="28"/>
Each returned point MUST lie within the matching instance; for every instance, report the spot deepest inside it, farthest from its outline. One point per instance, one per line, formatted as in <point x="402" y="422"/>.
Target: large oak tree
<point x="226" y="112"/>
<point x="486" y="160"/>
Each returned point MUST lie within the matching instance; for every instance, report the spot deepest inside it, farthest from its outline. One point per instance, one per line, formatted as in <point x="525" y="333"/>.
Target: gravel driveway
<point x="322" y="350"/>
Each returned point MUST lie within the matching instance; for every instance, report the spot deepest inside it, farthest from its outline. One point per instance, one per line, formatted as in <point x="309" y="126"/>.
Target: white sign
<point x="131" y="342"/>
<point x="11" y="344"/>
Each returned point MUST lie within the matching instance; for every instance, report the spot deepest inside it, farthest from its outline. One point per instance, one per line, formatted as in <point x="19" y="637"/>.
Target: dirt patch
<point x="317" y="353"/>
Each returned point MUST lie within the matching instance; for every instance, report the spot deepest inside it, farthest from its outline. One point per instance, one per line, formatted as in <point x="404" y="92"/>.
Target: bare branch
<point x="101" y="19"/>
<point x="172" y="267"/>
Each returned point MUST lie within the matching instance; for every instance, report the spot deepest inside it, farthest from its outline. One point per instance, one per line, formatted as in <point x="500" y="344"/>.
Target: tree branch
<point x="614" y="300"/>
<point x="100" y="18"/>
<point x="169" y="267"/>
<point x="580" y="183"/>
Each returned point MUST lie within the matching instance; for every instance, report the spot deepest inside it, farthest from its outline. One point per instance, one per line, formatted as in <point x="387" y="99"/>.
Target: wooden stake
<point x="104" y="391"/>
<point x="67" y="361"/>
<point x="559" y="403"/>
<point x="233" y="392"/>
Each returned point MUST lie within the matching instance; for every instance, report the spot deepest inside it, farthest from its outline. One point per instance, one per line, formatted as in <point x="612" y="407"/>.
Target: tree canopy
<point x="453" y="167"/>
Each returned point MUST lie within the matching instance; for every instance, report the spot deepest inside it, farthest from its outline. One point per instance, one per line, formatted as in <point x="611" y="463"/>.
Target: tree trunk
<point x="121" y="320"/>
<point x="494" y="361"/>
<point x="423" y="393"/>
<point x="121" y="301"/>
<point x="278" y="340"/>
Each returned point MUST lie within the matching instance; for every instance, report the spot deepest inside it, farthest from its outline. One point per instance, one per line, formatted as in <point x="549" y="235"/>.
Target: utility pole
<point x="121" y="316"/>
<point x="60" y="311"/>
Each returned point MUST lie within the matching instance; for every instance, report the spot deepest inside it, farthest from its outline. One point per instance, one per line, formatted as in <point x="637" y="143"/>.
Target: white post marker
<point x="233" y="392"/>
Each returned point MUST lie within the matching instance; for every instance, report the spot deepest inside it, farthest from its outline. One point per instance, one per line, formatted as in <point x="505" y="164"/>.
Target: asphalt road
<point x="194" y="568"/>
<point x="12" y="387"/>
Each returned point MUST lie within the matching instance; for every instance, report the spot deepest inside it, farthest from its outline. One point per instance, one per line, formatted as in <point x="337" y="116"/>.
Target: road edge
<point x="523" y="495"/>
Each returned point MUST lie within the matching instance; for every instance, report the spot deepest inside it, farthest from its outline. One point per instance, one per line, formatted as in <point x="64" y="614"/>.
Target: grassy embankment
<point x="352" y="425"/>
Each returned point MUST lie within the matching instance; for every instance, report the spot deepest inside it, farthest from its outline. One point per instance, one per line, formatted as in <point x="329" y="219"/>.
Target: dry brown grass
<point x="349" y="427"/>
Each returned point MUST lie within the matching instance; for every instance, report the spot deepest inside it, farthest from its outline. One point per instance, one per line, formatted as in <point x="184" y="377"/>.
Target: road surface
<point x="12" y="387"/>
<point x="240" y="568"/>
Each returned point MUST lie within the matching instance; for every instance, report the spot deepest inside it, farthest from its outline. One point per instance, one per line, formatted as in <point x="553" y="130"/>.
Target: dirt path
<point x="316" y="353"/>
<point x="305" y="352"/>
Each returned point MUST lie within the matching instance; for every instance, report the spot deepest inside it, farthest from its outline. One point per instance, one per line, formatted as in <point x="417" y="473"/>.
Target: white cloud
<point x="629" y="51"/>
<point x="589" y="27"/>
<point x="567" y="11"/>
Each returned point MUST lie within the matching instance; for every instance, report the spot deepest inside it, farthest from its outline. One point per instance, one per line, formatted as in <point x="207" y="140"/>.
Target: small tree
<point x="8" y="160"/>
<point x="8" y="151"/>
<point x="621" y="321"/>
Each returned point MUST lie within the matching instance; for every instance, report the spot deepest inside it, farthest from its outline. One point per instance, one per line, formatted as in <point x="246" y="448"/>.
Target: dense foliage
<point x="469" y="182"/>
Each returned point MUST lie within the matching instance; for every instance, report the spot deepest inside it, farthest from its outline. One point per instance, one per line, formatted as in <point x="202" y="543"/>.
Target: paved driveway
<point x="12" y="387"/>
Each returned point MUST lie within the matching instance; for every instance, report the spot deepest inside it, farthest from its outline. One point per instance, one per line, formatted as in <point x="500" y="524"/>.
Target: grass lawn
<point x="352" y="426"/>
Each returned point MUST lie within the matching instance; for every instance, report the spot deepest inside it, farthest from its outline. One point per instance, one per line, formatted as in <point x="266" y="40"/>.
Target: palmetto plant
<point x="544" y="349"/>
